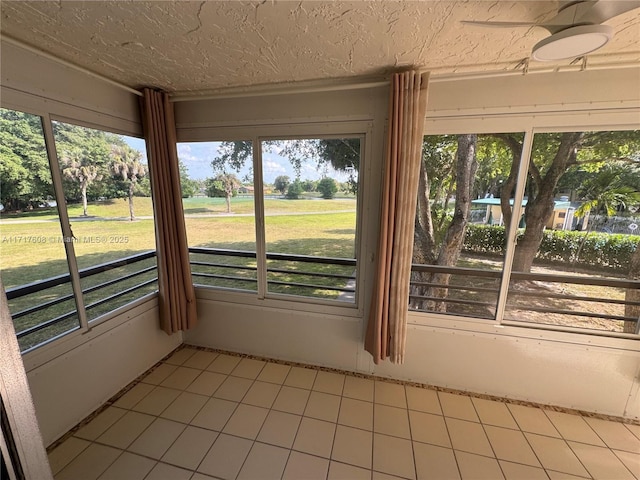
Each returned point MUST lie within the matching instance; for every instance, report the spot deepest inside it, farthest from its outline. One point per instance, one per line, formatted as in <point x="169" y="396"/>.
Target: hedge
<point x="612" y="251"/>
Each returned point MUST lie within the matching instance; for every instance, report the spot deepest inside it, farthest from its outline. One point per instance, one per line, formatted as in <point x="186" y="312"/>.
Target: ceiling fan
<point x="575" y="31"/>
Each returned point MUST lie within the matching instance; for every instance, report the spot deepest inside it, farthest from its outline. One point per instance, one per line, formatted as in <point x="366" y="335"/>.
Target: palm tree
<point x="76" y="167"/>
<point x="126" y="163"/>
<point x="230" y="183"/>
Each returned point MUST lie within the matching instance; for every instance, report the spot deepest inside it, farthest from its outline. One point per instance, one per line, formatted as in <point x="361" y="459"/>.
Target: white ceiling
<point x="187" y="46"/>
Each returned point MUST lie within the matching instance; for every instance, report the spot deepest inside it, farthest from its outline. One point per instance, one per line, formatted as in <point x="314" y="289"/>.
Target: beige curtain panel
<point x="176" y="293"/>
<point x="387" y="326"/>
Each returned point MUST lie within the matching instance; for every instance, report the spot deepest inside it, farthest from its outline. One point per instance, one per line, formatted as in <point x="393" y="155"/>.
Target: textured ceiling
<point x="187" y="46"/>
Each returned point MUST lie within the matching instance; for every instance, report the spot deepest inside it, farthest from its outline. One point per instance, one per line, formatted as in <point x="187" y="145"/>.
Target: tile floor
<point x="202" y="415"/>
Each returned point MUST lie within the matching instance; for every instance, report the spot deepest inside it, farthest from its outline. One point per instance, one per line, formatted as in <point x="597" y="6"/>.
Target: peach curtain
<point x="176" y="293"/>
<point x="387" y="326"/>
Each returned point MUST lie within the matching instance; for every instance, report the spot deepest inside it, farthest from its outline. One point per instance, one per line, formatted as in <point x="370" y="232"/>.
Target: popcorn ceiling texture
<point x="189" y="46"/>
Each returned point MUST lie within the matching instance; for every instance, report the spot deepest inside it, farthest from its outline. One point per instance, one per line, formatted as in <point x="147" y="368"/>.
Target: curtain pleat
<point x="175" y="288"/>
<point x="387" y="325"/>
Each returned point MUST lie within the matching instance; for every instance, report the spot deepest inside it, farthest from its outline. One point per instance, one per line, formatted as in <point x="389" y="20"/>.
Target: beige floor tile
<point x="159" y="399"/>
<point x="215" y="414"/>
<point x="129" y="466"/>
<point x="190" y="447"/>
<point x="226" y="456"/>
<point x="291" y="400"/>
<point x="533" y="420"/>
<point x="161" y="372"/>
<point x="423" y="400"/>
<point x="600" y="462"/>
<point x="261" y="394"/>
<point x="246" y="421"/>
<point x="264" y="462"/>
<point x="90" y="464"/>
<point x="301" y="377"/>
<point x="384" y="476"/>
<point x="555" y="454"/>
<point x="157" y="438"/>
<point x="248" y="368"/>
<point x="162" y="471"/>
<point x="122" y="433"/>
<point x="631" y="461"/>
<point x="185" y="407"/>
<point x="393" y="456"/>
<point x="341" y="471"/>
<point x="391" y="394"/>
<point x="352" y="446"/>
<point x="635" y="429"/>
<point x="301" y="466"/>
<point x="573" y="427"/>
<point x="64" y="453"/>
<point x="328" y="382"/>
<point x="224" y="364"/>
<point x="553" y="475"/>
<point x="133" y="396"/>
<point x="181" y="378"/>
<point x="181" y="356"/>
<point x="202" y="476"/>
<point x="274" y="373"/>
<point x="233" y="388"/>
<point x="100" y="424"/>
<point x="315" y="437"/>
<point x="200" y="360"/>
<point x="358" y="388"/>
<point x="279" y="428"/>
<point x="429" y="428"/>
<point x="356" y="413"/>
<point x="516" y="471"/>
<point x="206" y="383"/>
<point x="494" y="413"/>
<point x="391" y="421"/>
<point x="457" y="406"/>
<point x="511" y="445"/>
<point x="323" y="406"/>
<point x="474" y="467"/>
<point x="615" y="435"/>
<point x="435" y="463"/>
<point x="468" y="437"/>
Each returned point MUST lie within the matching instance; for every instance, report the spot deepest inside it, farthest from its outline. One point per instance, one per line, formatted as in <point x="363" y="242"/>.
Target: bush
<point x="593" y="249"/>
<point x="294" y="190"/>
<point x="327" y="187"/>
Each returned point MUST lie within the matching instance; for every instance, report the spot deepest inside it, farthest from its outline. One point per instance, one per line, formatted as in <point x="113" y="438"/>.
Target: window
<point x="59" y="282"/>
<point x="303" y="193"/>
<point x="576" y="261"/>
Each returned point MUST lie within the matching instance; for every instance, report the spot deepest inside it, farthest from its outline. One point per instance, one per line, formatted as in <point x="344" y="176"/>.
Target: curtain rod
<point x="70" y="65"/>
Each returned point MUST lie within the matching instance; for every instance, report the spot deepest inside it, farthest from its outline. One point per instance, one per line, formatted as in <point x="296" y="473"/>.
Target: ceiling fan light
<point x="572" y="43"/>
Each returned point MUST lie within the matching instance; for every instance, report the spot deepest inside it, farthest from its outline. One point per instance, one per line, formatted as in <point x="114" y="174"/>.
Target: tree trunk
<point x="509" y="186"/>
<point x="633" y="294"/>
<point x="228" y="200"/>
<point x="131" y="215"/>
<point x="83" y="189"/>
<point x="454" y="239"/>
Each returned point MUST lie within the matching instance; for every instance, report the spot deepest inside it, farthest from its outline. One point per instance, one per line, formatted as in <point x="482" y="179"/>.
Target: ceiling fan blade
<point x="499" y="24"/>
<point x="604" y="10"/>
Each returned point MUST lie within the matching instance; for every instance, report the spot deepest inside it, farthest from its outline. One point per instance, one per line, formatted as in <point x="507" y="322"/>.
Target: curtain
<point x="176" y="293"/>
<point x="387" y="325"/>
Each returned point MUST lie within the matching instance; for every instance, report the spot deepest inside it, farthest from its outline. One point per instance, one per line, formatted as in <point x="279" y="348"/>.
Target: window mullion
<point x="258" y="201"/>
<point x="511" y="235"/>
<point x="67" y="234"/>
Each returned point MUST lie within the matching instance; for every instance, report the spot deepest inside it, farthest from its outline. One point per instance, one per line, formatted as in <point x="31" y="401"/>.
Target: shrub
<point x="327" y="187"/>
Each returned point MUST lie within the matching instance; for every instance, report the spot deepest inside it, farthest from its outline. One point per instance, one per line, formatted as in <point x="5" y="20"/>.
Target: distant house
<point x="561" y="219"/>
<point x="246" y="189"/>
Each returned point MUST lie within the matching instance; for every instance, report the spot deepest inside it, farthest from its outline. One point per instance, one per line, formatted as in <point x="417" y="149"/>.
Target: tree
<point x="78" y="168"/>
<point x="281" y="183"/>
<point x="188" y="187"/>
<point x="229" y="183"/>
<point x="327" y="187"/>
<point x="126" y="164"/>
<point x="553" y="154"/>
<point x="294" y="190"/>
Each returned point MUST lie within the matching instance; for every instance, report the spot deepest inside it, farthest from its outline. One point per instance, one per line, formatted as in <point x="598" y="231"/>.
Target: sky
<point x="197" y="156"/>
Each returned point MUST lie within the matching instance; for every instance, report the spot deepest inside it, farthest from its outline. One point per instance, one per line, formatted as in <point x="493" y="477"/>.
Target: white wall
<point x="570" y="370"/>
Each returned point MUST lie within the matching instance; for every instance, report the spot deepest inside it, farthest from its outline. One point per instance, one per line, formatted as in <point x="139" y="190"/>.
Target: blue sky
<point x="197" y="156"/>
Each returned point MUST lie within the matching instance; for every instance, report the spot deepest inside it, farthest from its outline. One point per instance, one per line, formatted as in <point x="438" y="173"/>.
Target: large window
<point x="303" y="193"/>
<point x="572" y="212"/>
<point x="77" y="231"/>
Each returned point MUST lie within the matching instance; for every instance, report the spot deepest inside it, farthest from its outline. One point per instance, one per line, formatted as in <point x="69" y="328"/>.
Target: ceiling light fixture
<point x="572" y="42"/>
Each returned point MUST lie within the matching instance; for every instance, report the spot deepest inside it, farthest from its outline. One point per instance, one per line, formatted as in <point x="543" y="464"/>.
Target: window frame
<point x="483" y="122"/>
